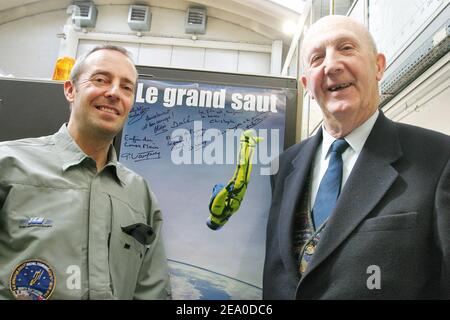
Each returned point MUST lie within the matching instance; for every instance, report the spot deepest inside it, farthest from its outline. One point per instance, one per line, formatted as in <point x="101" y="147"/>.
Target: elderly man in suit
<point x="361" y="210"/>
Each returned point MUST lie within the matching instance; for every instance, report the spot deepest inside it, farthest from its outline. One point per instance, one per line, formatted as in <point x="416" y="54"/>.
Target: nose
<point x="113" y="91"/>
<point x="333" y="63"/>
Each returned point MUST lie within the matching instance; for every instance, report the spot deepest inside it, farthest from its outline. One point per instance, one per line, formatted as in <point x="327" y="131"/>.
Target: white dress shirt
<point x="356" y="140"/>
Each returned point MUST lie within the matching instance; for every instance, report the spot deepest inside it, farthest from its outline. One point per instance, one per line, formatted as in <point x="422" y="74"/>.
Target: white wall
<point x="169" y="22"/>
<point x="186" y="57"/>
<point x="29" y="46"/>
<point x="425" y="101"/>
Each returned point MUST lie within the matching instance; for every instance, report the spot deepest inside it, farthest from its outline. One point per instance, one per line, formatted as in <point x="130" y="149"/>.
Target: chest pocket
<point x="126" y="253"/>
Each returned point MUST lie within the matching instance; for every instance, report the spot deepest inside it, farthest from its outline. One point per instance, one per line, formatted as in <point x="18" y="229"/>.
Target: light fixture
<point x="289" y="27"/>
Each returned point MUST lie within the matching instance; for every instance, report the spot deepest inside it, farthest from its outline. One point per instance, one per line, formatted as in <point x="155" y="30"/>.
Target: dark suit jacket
<point x="393" y="212"/>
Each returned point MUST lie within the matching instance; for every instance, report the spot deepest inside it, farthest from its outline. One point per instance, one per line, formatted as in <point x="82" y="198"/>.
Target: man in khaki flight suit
<point x="75" y="223"/>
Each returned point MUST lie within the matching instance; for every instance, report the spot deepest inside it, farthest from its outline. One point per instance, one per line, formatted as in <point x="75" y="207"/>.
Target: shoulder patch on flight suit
<point x="32" y="280"/>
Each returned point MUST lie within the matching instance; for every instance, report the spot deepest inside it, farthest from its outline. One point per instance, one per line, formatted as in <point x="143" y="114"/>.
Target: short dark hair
<point x="79" y="64"/>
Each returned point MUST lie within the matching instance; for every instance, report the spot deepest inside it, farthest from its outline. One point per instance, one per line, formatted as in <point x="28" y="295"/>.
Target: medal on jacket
<point x="32" y="280"/>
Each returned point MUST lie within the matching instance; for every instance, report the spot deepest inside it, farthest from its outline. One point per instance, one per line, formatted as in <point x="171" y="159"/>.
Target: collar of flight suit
<point x="72" y="155"/>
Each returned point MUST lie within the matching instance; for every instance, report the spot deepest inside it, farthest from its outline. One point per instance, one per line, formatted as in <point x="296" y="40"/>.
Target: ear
<point x="69" y="90"/>
<point x="381" y="66"/>
<point x="304" y="81"/>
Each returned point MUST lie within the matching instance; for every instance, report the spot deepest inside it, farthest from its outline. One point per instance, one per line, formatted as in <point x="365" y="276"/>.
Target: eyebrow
<point x="338" y="41"/>
<point x="109" y="74"/>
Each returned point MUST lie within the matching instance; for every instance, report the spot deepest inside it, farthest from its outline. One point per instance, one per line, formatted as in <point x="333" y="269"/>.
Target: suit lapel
<point x="294" y="185"/>
<point x="369" y="180"/>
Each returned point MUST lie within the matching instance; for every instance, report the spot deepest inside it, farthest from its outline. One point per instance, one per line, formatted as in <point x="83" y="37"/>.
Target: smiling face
<point x="102" y="96"/>
<point x="342" y="70"/>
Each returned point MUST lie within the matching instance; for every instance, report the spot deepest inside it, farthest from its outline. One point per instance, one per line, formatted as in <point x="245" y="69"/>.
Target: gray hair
<point x="79" y="64"/>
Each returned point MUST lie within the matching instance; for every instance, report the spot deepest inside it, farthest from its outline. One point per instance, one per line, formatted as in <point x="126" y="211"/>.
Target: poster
<point x="184" y="138"/>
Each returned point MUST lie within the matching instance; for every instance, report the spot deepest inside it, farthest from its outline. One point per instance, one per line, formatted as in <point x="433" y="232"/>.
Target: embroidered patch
<point x="36" y="222"/>
<point x="32" y="280"/>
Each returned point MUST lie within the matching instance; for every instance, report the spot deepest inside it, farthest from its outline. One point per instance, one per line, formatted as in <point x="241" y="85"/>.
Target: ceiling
<point x="261" y="16"/>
